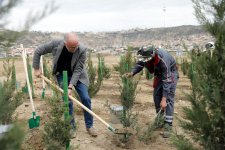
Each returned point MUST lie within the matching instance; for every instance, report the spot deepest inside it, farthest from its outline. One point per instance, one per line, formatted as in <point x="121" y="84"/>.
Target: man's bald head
<point x="71" y="42"/>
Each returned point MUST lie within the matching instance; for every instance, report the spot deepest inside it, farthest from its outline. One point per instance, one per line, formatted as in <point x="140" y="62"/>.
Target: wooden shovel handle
<point x="76" y="101"/>
<point x="27" y="79"/>
<point x="42" y="70"/>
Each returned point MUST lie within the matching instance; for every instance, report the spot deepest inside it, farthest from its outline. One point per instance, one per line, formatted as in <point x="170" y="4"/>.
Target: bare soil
<point x="108" y="94"/>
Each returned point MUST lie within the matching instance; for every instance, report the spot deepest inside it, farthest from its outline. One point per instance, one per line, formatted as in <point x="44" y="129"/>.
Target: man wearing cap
<point x="163" y="65"/>
<point x="69" y="55"/>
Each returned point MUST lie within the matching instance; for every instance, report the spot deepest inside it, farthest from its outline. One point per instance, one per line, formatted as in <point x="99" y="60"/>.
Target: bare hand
<point x="163" y="103"/>
<point x="37" y="73"/>
<point x="70" y="89"/>
<point x="70" y="92"/>
<point x="128" y="75"/>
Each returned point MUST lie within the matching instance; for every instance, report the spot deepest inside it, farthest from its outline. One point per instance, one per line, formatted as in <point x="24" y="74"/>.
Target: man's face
<point x="71" y="46"/>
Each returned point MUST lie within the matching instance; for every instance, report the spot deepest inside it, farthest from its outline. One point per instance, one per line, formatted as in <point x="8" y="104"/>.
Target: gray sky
<point x="106" y="15"/>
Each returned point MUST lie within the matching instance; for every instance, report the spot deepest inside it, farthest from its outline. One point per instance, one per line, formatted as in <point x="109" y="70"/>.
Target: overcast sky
<point x="106" y="15"/>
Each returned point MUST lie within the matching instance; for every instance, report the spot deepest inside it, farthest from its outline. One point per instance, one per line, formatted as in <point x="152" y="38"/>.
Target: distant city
<point x="171" y="39"/>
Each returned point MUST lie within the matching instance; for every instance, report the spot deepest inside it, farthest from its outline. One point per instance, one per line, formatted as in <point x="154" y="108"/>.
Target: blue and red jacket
<point x="163" y="66"/>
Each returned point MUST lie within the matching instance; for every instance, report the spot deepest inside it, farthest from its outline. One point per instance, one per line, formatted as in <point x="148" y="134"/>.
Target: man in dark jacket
<point x="70" y="56"/>
<point x="163" y="65"/>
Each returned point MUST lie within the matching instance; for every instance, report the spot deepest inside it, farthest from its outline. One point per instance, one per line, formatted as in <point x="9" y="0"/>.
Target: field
<point x="108" y="94"/>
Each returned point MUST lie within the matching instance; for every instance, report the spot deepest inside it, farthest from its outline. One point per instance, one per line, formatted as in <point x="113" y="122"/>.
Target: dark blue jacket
<point x="163" y="70"/>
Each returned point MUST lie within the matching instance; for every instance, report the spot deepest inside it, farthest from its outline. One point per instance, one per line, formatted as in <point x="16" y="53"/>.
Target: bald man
<point x="70" y="56"/>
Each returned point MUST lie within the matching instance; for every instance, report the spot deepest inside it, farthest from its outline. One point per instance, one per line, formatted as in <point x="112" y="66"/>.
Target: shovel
<point x="35" y="120"/>
<point x="43" y="81"/>
<point x="115" y="131"/>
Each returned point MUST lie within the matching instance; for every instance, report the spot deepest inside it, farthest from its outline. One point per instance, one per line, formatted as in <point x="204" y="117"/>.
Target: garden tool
<point x="43" y="81"/>
<point x="158" y="117"/>
<point x="35" y="120"/>
<point x="123" y="131"/>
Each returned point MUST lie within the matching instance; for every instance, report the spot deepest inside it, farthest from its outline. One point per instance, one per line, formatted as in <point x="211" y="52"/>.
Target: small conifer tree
<point x="128" y="90"/>
<point x="206" y="116"/>
<point x="56" y="130"/>
<point x="46" y="68"/>
<point x="96" y="75"/>
<point x="95" y="81"/>
<point x="9" y="101"/>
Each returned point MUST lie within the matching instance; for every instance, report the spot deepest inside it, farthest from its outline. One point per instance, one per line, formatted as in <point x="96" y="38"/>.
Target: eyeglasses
<point x="72" y="48"/>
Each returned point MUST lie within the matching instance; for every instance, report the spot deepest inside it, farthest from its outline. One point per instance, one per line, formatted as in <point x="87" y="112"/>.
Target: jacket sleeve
<point x="138" y="67"/>
<point x="41" y="50"/>
<point x="78" y="68"/>
<point x="166" y="77"/>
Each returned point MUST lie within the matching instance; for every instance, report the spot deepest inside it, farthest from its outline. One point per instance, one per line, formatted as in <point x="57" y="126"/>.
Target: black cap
<point x="146" y="51"/>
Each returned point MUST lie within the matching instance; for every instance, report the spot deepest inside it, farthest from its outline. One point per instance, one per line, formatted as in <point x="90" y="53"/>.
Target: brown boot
<point x="91" y="131"/>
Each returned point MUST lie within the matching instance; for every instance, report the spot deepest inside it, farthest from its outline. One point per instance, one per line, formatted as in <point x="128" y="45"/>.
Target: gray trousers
<point x="170" y="98"/>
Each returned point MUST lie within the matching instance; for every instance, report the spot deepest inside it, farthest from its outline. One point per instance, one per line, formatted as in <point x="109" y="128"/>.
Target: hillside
<point x="169" y="37"/>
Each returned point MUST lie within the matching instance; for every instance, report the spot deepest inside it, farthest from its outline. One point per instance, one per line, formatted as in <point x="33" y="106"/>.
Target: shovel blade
<point x="34" y="123"/>
<point x="25" y="89"/>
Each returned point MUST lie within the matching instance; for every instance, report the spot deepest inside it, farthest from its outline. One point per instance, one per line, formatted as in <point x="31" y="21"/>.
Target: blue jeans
<point x="82" y="91"/>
